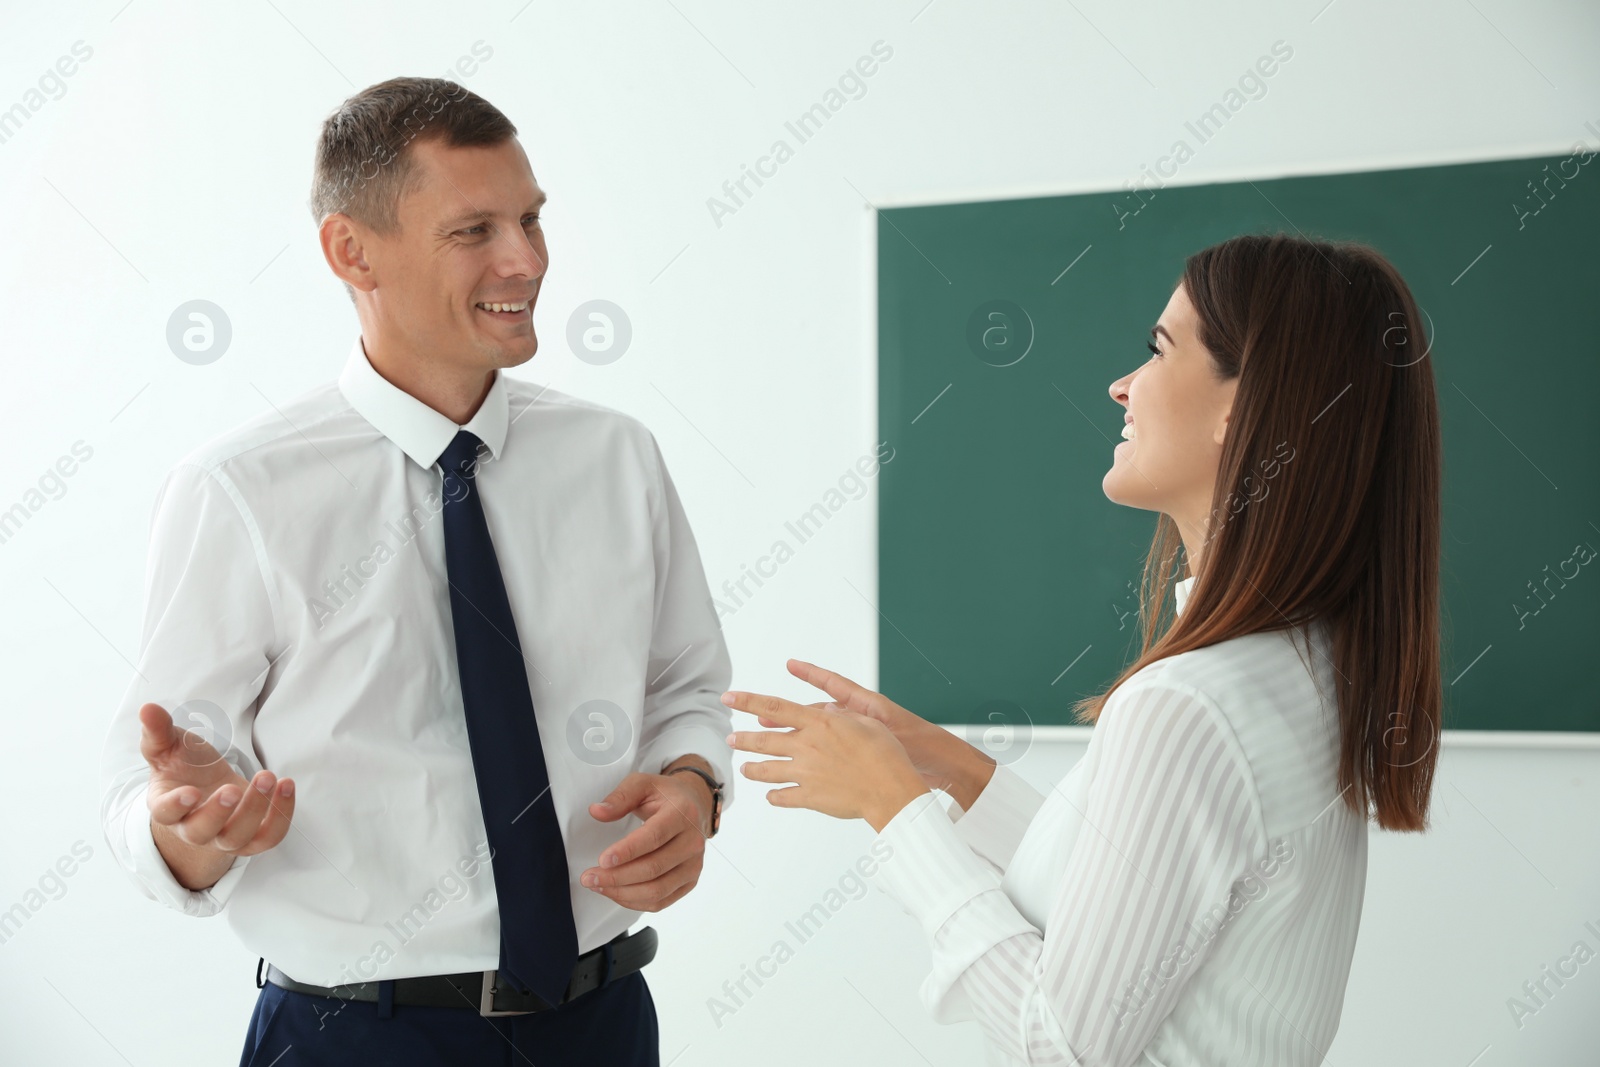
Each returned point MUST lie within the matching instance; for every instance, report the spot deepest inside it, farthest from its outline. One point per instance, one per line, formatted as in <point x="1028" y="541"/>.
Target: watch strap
<point x="716" y="795"/>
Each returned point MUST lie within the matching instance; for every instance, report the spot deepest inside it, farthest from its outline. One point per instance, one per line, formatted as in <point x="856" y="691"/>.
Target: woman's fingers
<point x="768" y="770"/>
<point x="821" y="705"/>
<point x="778" y="711"/>
<point x="841" y="689"/>
<point x="772" y="743"/>
<point x="787" y="797"/>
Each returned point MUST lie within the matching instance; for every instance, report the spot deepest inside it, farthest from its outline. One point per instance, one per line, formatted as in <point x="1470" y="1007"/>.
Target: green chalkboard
<point x="1008" y="580"/>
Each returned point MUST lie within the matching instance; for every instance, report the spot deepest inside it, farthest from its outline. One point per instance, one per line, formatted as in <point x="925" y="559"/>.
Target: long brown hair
<point x="1326" y="504"/>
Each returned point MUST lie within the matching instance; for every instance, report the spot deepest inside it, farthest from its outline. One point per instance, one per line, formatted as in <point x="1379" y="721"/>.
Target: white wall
<point x="174" y="166"/>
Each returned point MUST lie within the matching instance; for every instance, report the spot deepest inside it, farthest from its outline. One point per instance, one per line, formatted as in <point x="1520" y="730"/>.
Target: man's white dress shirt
<point x="1188" y="895"/>
<point x="296" y="581"/>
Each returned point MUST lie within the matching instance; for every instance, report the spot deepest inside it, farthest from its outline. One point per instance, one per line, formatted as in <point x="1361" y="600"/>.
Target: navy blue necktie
<point x="538" y="941"/>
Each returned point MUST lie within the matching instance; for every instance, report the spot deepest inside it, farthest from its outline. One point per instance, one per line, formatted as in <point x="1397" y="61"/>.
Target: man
<point x="425" y="622"/>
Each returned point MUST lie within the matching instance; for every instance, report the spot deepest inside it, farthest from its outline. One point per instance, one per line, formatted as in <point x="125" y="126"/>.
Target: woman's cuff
<point x="925" y="867"/>
<point x="994" y="826"/>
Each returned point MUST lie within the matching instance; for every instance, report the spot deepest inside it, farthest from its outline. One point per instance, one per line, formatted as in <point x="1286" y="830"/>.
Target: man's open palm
<point x="202" y="800"/>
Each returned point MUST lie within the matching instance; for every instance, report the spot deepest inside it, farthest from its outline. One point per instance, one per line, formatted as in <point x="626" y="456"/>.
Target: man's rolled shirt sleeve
<point x="689" y="664"/>
<point x="207" y="642"/>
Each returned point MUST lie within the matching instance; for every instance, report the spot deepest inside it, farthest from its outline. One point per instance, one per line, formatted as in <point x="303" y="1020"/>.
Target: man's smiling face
<point x="469" y="236"/>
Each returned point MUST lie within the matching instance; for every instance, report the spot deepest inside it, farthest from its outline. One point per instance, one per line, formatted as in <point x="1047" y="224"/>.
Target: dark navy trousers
<point x="614" y="1026"/>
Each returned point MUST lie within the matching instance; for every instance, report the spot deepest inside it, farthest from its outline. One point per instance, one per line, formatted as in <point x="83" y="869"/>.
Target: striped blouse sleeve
<point x="1170" y="820"/>
<point x="994" y="825"/>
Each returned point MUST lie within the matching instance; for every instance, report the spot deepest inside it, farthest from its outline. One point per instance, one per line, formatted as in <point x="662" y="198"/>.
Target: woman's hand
<point x="943" y="760"/>
<point x="843" y="763"/>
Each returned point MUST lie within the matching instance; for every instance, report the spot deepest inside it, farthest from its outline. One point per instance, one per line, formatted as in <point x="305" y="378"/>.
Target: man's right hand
<point x="203" y="813"/>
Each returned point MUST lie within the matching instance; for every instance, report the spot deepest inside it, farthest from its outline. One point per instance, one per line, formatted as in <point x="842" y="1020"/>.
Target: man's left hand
<point x="658" y="862"/>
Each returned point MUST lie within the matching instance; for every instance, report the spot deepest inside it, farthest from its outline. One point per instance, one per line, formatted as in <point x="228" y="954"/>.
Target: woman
<point x="1189" y="893"/>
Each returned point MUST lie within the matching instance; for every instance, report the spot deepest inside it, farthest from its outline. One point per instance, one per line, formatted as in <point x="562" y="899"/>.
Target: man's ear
<point x="344" y="247"/>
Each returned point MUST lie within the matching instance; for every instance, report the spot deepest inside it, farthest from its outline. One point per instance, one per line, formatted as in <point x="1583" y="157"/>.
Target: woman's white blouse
<point x="1187" y="896"/>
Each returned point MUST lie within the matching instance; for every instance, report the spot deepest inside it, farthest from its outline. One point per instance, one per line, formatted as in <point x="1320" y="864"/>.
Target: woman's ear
<point x="1221" y="433"/>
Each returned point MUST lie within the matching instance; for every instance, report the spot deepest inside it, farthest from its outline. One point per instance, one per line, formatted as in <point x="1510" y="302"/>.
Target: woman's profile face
<point x="1176" y="416"/>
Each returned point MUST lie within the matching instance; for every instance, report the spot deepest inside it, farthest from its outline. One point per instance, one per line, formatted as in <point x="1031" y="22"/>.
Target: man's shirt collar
<point x="421" y="432"/>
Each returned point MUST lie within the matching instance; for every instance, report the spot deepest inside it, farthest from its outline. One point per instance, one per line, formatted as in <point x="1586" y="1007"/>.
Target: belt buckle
<point x="486" y="1006"/>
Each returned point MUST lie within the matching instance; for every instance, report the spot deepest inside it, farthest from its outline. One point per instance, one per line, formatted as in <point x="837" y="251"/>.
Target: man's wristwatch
<point x="716" y="796"/>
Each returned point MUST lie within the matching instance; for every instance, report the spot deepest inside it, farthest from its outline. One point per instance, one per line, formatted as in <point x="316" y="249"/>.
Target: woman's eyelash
<point x="1151" y="345"/>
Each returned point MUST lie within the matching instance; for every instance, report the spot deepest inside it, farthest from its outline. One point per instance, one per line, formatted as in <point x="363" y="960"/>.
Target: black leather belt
<point x="482" y="990"/>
